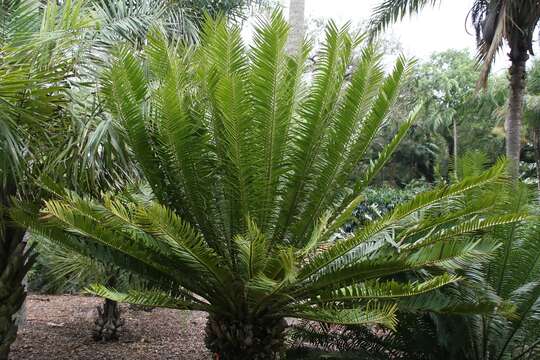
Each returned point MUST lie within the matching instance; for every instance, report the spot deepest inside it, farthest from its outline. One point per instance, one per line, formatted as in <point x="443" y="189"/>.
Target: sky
<point x="436" y="29"/>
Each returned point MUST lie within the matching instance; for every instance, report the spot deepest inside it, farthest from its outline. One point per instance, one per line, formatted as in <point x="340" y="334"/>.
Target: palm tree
<point x="297" y="25"/>
<point x="513" y="21"/>
<point x="250" y="168"/>
<point x="131" y="20"/>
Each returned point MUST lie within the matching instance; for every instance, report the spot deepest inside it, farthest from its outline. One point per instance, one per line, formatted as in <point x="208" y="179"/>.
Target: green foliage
<point x="472" y="329"/>
<point x="250" y="165"/>
<point x="130" y="21"/>
<point x="378" y="201"/>
<point x="493" y="20"/>
<point x="89" y="152"/>
<point x="446" y="84"/>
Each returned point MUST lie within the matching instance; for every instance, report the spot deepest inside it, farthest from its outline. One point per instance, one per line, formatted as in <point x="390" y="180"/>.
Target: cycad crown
<point x="250" y="164"/>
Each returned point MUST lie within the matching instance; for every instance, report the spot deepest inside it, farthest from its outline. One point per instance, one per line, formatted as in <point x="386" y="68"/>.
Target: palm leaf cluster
<point x="514" y="276"/>
<point x="413" y="338"/>
<point x="249" y="163"/>
<point x="493" y="20"/>
<point x="492" y="315"/>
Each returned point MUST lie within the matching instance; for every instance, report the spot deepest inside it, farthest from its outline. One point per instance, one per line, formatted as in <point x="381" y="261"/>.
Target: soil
<point x="60" y="328"/>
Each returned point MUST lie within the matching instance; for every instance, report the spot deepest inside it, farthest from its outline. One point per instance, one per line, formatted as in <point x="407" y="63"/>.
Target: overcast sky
<point x="437" y="29"/>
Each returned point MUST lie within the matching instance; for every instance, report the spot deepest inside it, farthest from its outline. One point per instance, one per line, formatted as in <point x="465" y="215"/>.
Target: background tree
<point x="297" y="23"/>
<point x="532" y="115"/>
<point x="445" y="83"/>
<point x="513" y="21"/>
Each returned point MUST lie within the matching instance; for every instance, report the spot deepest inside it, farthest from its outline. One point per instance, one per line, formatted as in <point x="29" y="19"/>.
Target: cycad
<point x="509" y="279"/>
<point x="250" y="166"/>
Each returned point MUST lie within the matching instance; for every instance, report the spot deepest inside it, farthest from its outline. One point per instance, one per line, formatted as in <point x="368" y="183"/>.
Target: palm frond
<point x="390" y="11"/>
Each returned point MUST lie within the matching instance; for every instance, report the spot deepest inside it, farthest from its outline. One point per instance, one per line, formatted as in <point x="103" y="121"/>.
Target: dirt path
<point x="59" y="328"/>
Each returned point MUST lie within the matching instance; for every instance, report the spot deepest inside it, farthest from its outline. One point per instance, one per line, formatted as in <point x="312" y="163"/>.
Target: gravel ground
<point x="60" y="328"/>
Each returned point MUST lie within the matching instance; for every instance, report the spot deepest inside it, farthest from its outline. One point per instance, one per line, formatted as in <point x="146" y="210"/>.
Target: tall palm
<point x="250" y="167"/>
<point x="297" y="24"/>
<point x="495" y="21"/>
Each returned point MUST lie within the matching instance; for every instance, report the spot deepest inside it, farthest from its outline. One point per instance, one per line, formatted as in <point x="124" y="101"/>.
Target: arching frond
<point x="249" y="162"/>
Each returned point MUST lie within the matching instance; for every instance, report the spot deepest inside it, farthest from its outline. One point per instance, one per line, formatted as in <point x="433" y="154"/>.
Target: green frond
<point x="253" y="250"/>
<point x="225" y="63"/>
<point x="465" y="228"/>
<point x="443" y="194"/>
<point x="152" y="298"/>
<point x="274" y="81"/>
<point x="381" y="290"/>
<point x="185" y="242"/>
<point x="386" y="153"/>
<point x="19" y="20"/>
<point x="315" y="114"/>
<point x="376" y="229"/>
<point x="93" y="250"/>
<point x="456" y="253"/>
<point x="128" y="21"/>
<point x="390" y="11"/>
<point x="369" y="315"/>
<point x="357" y="99"/>
<point x="371" y="124"/>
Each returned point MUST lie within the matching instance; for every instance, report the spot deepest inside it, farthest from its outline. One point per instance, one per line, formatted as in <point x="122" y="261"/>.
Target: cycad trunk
<point x="108" y="322"/>
<point x="518" y="57"/>
<point x="256" y="339"/>
<point x="14" y="264"/>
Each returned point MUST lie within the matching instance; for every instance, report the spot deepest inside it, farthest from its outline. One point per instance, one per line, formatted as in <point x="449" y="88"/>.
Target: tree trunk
<point x="297" y="24"/>
<point x="15" y="262"/>
<point x="518" y="57"/>
<point x="108" y="322"/>
<point x="455" y="145"/>
<point x="448" y="164"/>
<point x="536" y="143"/>
<point x="259" y="339"/>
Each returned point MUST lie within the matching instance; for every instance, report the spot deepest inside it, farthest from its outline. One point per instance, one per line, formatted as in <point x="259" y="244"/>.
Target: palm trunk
<point x="108" y="321"/>
<point x="518" y="57"/>
<point x="536" y="143"/>
<point x="14" y="264"/>
<point x="297" y="24"/>
<point x="455" y="145"/>
<point x="448" y="164"/>
<point x="259" y="339"/>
